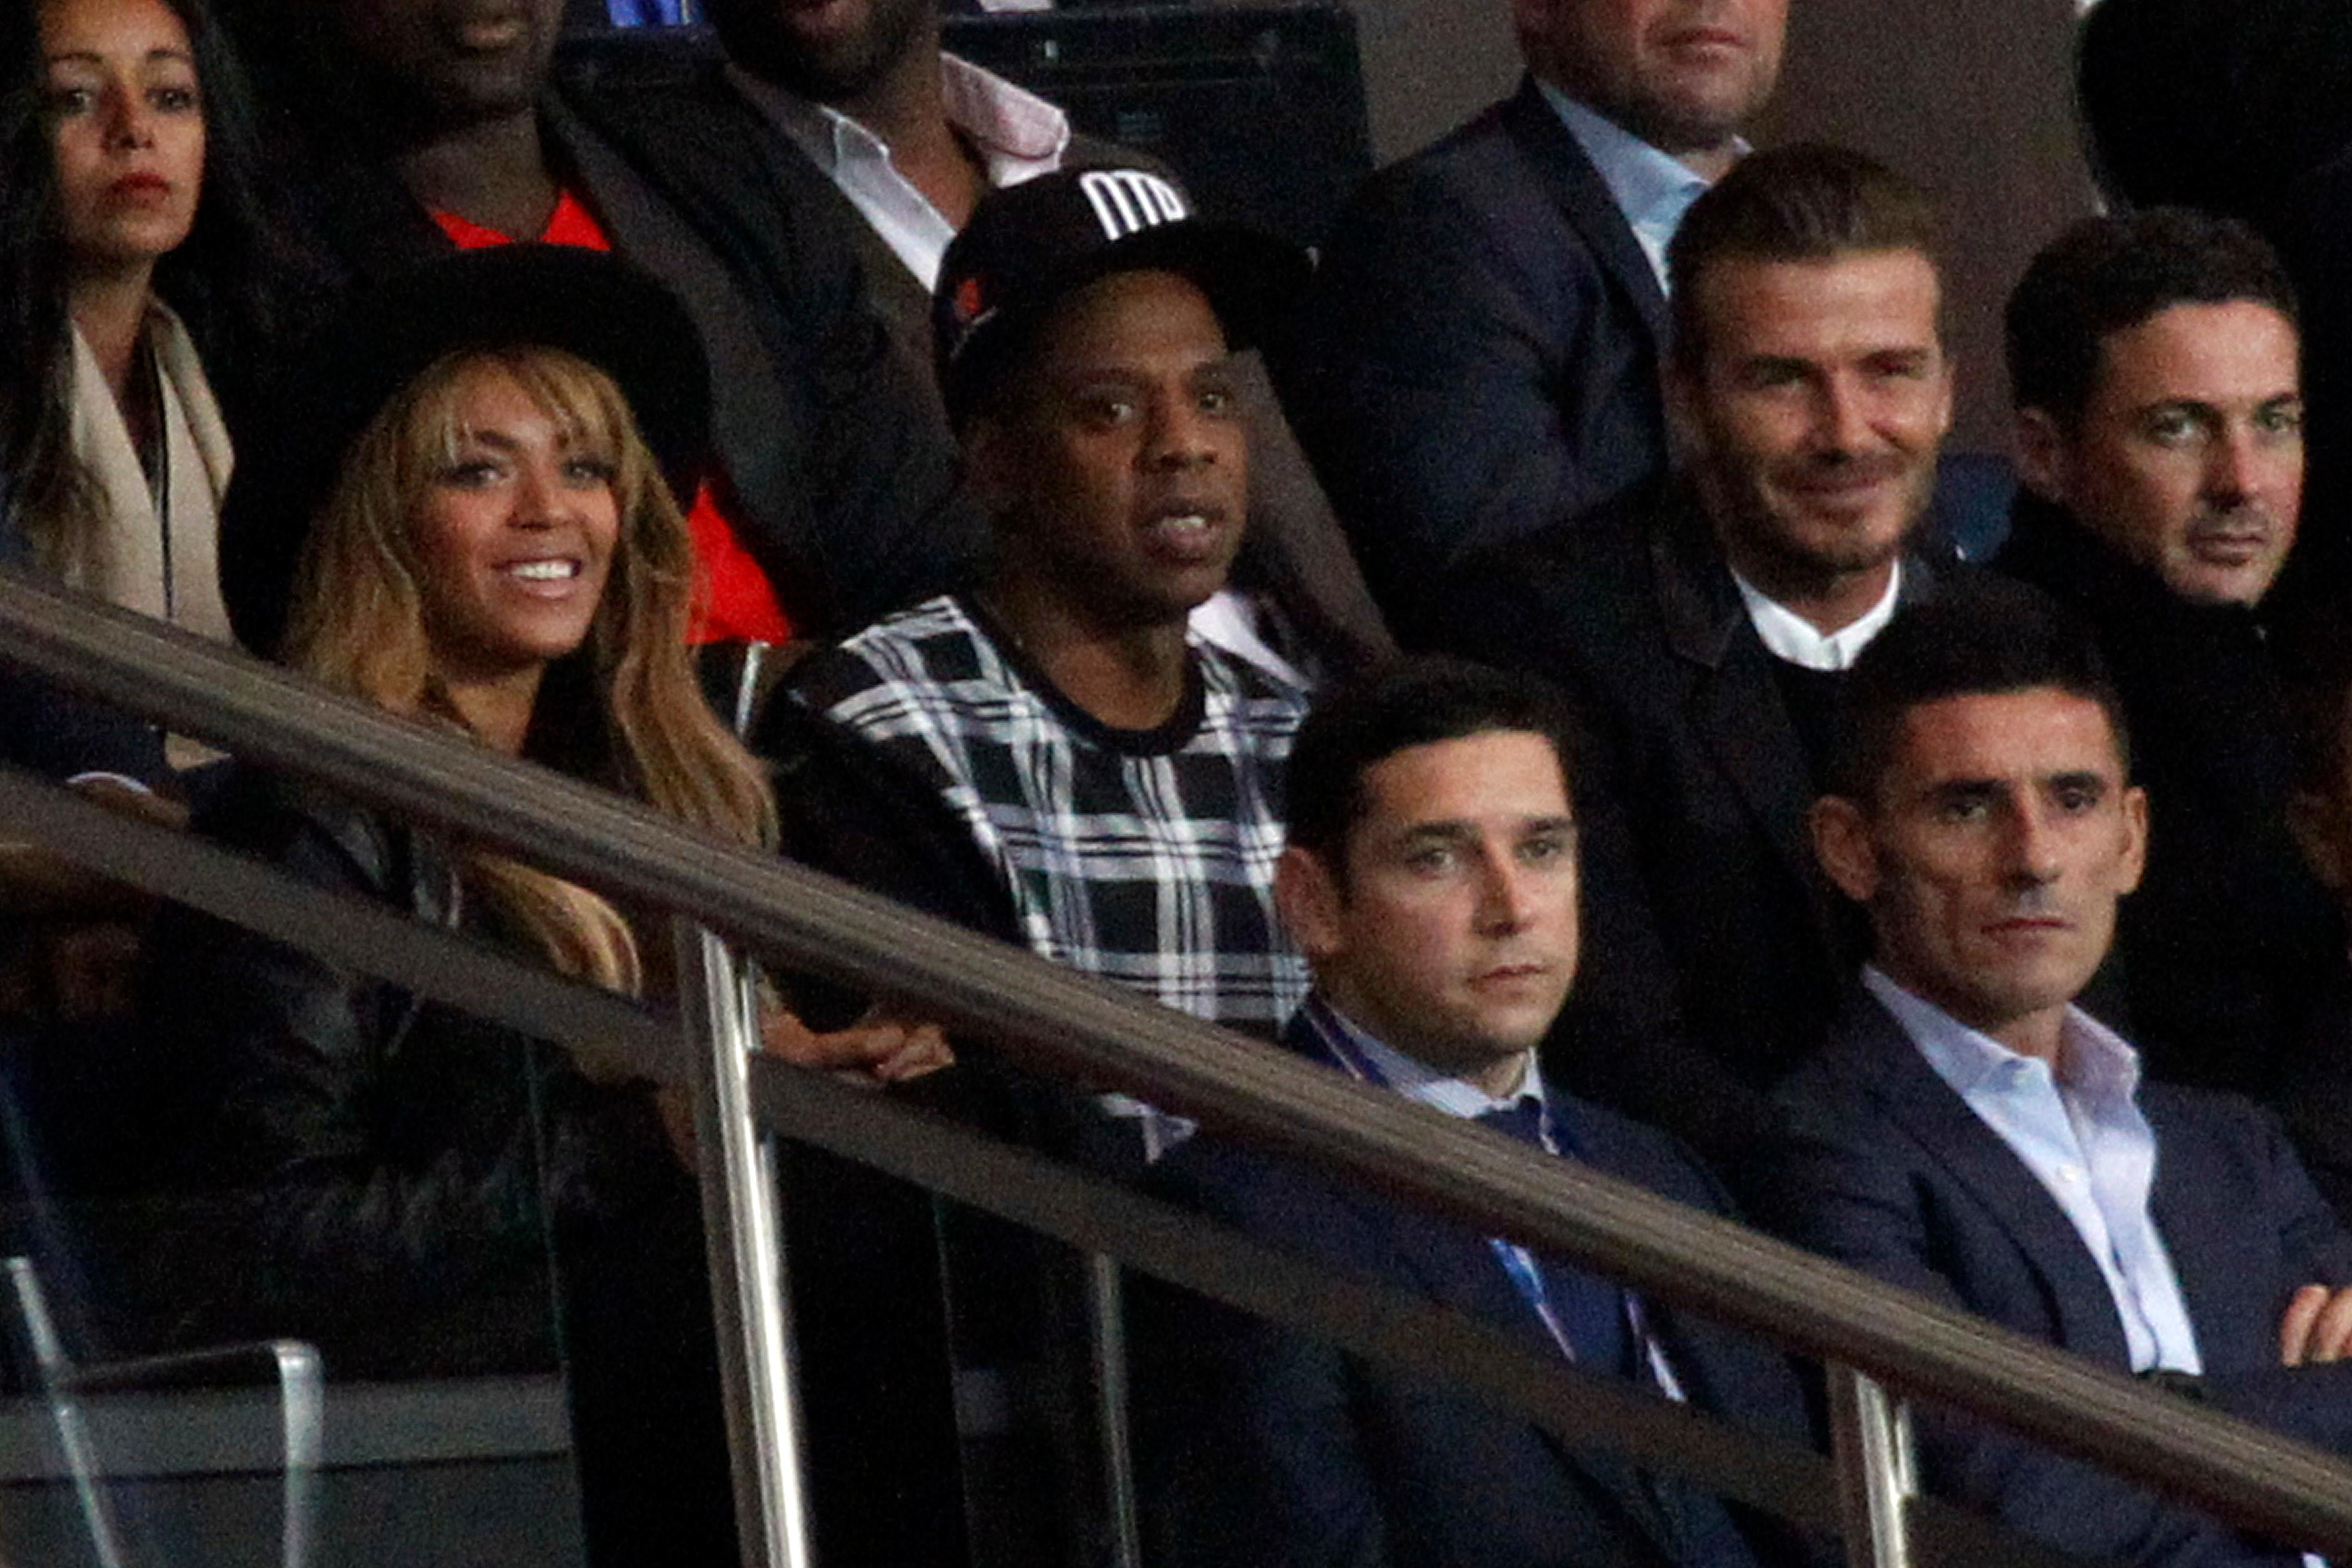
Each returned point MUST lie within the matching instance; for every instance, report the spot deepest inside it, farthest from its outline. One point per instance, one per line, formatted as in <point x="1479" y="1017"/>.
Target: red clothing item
<point x="733" y="600"/>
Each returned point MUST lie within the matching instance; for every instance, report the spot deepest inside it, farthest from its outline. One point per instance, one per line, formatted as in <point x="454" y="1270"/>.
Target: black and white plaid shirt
<point x="1146" y="857"/>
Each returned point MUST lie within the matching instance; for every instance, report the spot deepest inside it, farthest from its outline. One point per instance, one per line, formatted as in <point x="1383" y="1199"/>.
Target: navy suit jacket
<point x="1264" y="1447"/>
<point x="1879" y="1163"/>
<point x="1480" y="355"/>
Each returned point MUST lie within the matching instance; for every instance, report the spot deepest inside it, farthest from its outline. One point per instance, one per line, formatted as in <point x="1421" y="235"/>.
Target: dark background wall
<point x="1970" y="99"/>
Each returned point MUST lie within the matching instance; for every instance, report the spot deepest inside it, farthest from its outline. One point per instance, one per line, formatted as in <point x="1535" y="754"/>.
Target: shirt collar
<point x="1650" y="186"/>
<point x="1416" y="1079"/>
<point x="1789" y="635"/>
<point x="1018" y="133"/>
<point x="2093" y="1059"/>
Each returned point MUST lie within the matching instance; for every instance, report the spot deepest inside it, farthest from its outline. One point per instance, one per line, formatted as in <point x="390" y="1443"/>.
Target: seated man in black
<point x="1432" y="877"/>
<point x="2154" y="363"/>
<point x="1970" y="1132"/>
<point x="1054" y="757"/>
<point x="1703" y="633"/>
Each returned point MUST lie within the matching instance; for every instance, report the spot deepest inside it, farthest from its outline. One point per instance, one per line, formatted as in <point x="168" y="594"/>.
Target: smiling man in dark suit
<point x="1970" y="1132"/>
<point x="1431" y="877"/>
<point x="1482" y="354"/>
<point x="1703" y="632"/>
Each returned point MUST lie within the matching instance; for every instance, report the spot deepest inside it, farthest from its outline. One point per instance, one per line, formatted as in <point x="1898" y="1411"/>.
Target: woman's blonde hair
<point x="623" y="710"/>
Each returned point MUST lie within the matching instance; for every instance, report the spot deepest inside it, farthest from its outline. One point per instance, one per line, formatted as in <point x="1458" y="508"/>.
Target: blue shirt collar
<point x="2094" y="1061"/>
<point x="1651" y="186"/>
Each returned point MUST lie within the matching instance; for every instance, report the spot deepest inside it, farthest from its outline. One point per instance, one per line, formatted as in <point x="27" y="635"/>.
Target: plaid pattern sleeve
<point x="1146" y="857"/>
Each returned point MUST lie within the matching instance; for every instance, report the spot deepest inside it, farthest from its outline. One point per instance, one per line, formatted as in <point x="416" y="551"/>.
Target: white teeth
<point x="1190" y="522"/>
<point x="544" y="570"/>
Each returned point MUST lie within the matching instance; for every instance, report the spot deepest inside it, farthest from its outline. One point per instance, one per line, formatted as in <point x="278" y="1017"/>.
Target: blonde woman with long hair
<point x="488" y="538"/>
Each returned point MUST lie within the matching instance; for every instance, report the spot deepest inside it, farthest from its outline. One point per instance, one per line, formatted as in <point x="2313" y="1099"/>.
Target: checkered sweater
<point x="1146" y="857"/>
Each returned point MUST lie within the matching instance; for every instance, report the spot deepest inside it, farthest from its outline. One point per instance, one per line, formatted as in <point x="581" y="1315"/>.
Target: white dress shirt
<point x="1789" y="635"/>
<point x="1653" y="189"/>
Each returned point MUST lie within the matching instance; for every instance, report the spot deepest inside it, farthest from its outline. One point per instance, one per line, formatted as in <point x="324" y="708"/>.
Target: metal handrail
<point x="1074" y="1026"/>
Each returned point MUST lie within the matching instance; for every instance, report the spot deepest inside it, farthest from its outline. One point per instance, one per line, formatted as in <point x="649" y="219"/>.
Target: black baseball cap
<point x="1027" y="246"/>
<point x="589" y="304"/>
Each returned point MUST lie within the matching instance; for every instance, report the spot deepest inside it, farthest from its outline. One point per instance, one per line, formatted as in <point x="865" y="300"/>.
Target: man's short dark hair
<point x="1983" y="637"/>
<point x="1393" y="708"/>
<point x="2107" y="275"/>
<point x="1806" y="202"/>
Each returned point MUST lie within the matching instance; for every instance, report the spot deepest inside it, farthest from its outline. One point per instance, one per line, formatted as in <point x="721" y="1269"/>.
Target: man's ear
<point x="2041" y="448"/>
<point x="2135" y="809"/>
<point x="1309" y="899"/>
<point x="1842" y="843"/>
<point x="2318" y="823"/>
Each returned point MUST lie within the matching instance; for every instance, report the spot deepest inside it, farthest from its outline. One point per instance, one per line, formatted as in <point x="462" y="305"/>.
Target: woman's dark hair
<point x="223" y="280"/>
<point x="32" y="417"/>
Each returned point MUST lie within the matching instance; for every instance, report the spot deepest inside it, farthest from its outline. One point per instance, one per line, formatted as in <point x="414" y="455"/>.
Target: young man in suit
<point x="1703" y="632"/>
<point x="2155" y="366"/>
<point x="1431" y="875"/>
<point x="1482" y="356"/>
<point x="1970" y="1132"/>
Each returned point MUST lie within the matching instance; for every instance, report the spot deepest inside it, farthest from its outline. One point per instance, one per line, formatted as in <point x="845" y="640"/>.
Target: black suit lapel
<point x="2075" y="1290"/>
<point x="1735" y="706"/>
<point x="1579" y="191"/>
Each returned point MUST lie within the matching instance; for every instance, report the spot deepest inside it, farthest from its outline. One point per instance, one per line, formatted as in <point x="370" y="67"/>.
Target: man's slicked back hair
<point x="2107" y="275"/>
<point x="1805" y="202"/>
<point x="1985" y="636"/>
<point x="1395" y="707"/>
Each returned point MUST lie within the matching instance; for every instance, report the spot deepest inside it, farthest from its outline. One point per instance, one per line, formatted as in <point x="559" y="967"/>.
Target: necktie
<point x="1590" y="1309"/>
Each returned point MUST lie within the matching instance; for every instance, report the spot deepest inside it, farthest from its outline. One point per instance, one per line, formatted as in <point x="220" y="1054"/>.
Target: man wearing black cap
<point x="907" y="139"/>
<point x="1052" y="757"/>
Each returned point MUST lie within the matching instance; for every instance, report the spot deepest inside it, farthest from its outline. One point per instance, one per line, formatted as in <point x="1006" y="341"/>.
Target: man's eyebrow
<point x="2075" y="778"/>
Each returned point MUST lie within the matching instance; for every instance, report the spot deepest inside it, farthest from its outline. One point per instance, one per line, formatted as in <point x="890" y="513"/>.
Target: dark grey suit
<point x="1877" y="1163"/>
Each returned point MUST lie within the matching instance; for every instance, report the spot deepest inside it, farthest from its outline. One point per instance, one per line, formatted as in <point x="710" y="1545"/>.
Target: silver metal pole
<point x="1877" y="1475"/>
<point x="1107" y="1319"/>
<point x="716" y="1010"/>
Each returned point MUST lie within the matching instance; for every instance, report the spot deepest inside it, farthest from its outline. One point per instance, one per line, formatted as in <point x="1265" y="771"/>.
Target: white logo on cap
<point x="1129" y="201"/>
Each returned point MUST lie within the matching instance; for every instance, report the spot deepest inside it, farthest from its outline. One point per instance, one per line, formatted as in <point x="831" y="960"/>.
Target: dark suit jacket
<point x="1879" y="1163"/>
<point x="1269" y="1447"/>
<point x="1715" y="951"/>
<point x="1294" y="552"/>
<point x="1480" y="358"/>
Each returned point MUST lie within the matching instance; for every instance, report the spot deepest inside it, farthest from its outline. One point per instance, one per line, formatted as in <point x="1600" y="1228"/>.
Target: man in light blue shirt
<point x="1969" y="1131"/>
<point x="1481" y="357"/>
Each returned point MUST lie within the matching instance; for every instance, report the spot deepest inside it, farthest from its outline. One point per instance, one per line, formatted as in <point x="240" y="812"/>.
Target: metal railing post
<point x="740" y="1209"/>
<point x="1107" y="1334"/>
<point x="1876" y="1471"/>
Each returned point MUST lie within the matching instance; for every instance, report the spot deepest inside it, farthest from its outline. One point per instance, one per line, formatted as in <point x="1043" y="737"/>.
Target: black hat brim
<point x="582" y="302"/>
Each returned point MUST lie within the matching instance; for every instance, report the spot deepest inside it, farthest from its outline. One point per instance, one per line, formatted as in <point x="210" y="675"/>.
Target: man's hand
<point x="2318" y="1326"/>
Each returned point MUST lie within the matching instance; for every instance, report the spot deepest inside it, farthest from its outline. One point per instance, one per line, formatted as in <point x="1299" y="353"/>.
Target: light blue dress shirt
<point x="2082" y="1134"/>
<point x="1653" y="189"/>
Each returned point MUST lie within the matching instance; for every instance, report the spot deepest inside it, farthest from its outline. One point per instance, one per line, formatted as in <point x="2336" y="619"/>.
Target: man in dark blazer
<point x="1481" y="357"/>
<point x="1970" y="1132"/>
<point x="1431" y="875"/>
<point x="2156" y="367"/>
<point x="1702" y="633"/>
